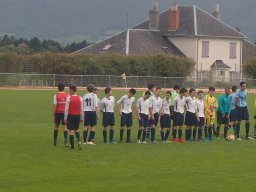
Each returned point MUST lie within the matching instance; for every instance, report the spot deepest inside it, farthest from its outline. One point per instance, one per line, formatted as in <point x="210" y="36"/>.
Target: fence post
<point x="109" y="81"/>
<point x="137" y="81"/>
<point x="81" y="80"/>
<point x="165" y="82"/>
<point x="54" y="82"/>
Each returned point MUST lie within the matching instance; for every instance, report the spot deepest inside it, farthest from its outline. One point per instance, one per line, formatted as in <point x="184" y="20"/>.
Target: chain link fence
<point x="52" y="80"/>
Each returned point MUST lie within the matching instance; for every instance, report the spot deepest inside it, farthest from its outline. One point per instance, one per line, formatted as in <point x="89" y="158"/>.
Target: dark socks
<point x="180" y="133"/>
<point x="85" y="136"/>
<point x="218" y="131"/>
<point x="167" y="133"/>
<point x="105" y="136"/>
<point x="194" y="134"/>
<point x="206" y="132"/>
<point x="91" y="136"/>
<point x="111" y="135"/>
<point x="238" y="130"/>
<point x="235" y="131"/>
<point x="65" y="137"/>
<point x="186" y="134"/>
<point x="55" y="136"/>
<point x="214" y="130"/>
<point x="121" y="134"/>
<point x="144" y="134"/>
<point x="139" y="134"/>
<point x="153" y="131"/>
<point x="225" y="131"/>
<point x="162" y="135"/>
<point x="174" y="133"/>
<point x="247" y="129"/>
<point x="71" y="139"/>
<point x="78" y="136"/>
<point x="200" y="133"/>
<point x="210" y="132"/>
<point x="128" y="135"/>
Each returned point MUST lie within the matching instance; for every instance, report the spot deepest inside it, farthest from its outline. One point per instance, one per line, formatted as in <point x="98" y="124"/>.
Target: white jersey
<point x="108" y="104"/>
<point x="200" y="107"/>
<point x="166" y="106"/>
<point x="179" y="104"/>
<point x="143" y="106"/>
<point x="90" y="102"/>
<point x="126" y="104"/>
<point x="156" y="103"/>
<point x="191" y="104"/>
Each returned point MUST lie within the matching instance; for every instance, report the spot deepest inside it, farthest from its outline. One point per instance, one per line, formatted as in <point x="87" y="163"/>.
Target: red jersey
<point x="60" y="102"/>
<point x="75" y="105"/>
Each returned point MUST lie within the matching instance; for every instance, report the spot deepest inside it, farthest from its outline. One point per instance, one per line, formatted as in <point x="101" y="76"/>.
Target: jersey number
<point x="88" y="102"/>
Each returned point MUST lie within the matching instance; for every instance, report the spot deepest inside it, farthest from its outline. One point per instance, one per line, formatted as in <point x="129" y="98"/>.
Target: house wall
<point x="219" y="49"/>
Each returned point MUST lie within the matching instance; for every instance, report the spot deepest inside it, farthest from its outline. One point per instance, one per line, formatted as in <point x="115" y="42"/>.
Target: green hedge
<point x="61" y="63"/>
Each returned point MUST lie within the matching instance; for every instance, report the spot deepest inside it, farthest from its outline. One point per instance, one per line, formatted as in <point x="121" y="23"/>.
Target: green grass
<point x="29" y="162"/>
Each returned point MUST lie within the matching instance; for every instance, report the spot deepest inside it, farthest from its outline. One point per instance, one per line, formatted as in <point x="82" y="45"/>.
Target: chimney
<point x="154" y="16"/>
<point x="216" y="13"/>
<point x="174" y="18"/>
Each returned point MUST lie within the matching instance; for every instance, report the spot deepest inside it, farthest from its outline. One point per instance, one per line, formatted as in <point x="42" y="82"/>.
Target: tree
<point x="35" y="44"/>
<point x="250" y="68"/>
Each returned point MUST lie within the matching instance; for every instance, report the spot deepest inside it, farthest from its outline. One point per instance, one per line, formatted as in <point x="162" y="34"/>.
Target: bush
<point x="250" y="68"/>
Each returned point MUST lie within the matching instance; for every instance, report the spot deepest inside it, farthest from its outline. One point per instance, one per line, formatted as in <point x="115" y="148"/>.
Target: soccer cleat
<point x="85" y="143"/>
<point x="112" y="142"/>
<point x="154" y="142"/>
<point x="249" y="138"/>
<point x="238" y="139"/>
<point x="66" y="145"/>
<point x="164" y="141"/>
<point x="138" y="141"/>
<point x="91" y="143"/>
<point x="175" y="140"/>
<point x="144" y="142"/>
<point x="181" y="140"/>
<point x="168" y="141"/>
<point x="200" y="140"/>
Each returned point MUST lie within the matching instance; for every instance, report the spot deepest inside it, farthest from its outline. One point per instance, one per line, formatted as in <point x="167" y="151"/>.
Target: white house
<point x="218" y="50"/>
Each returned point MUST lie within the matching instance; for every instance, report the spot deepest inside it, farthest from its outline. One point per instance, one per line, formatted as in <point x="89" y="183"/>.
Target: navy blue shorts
<point x="242" y="114"/>
<point x="165" y="121"/>
<point x="59" y="118"/>
<point x="73" y="122"/>
<point x="201" y="122"/>
<point x="155" y="121"/>
<point x="190" y="119"/>
<point x="178" y="119"/>
<point x="90" y="118"/>
<point x="108" y="119"/>
<point x="222" y="120"/>
<point x="126" y="120"/>
<point x="233" y="115"/>
<point x="144" y="121"/>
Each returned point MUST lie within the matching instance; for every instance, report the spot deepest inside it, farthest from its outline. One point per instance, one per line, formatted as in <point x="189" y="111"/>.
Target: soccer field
<point x="30" y="162"/>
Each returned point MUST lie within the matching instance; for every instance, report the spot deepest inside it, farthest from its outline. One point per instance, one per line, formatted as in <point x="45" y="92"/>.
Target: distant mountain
<point x="76" y="20"/>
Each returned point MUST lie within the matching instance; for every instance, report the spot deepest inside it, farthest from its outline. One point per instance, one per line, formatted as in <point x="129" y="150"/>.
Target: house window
<point x="232" y="50"/>
<point x="205" y="49"/>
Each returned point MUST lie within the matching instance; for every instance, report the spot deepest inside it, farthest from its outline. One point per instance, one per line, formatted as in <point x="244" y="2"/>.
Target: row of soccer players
<point x="151" y="109"/>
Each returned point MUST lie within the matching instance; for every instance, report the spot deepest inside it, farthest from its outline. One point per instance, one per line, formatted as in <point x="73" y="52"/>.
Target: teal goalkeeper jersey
<point x="224" y="104"/>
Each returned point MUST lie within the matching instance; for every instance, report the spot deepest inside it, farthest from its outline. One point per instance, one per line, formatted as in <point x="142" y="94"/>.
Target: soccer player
<point x="210" y="104"/>
<point x="233" y="107"/>
<point x="126" y="105"/>
<point x="200" y="114"/>
<point x="164" y="117"/>
<point x="178" y="114"/>
<point x="143" y="108"/>
<point x="191" y="115"/>
<point x="176" y="89"/>
<point x="59" y="102"/>
<point x="242" y="111"/>
<point x="156" y="103"/>
<point x="107" y="107"/>
<point x="91" y="114"/>
<point x="73" y="115"/>
<point x="223" y="112"/>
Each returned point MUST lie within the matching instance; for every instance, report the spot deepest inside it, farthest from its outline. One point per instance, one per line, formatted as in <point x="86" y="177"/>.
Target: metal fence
<point x="52" y="80"/>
